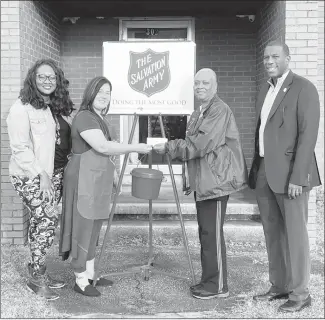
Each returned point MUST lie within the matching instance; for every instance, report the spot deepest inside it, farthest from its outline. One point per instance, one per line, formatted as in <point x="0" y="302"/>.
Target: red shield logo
<point x="149" y="71"/>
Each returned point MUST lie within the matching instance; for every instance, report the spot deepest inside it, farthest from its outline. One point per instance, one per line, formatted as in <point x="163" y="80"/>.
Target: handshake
<point x="156" y="144"/>
<point x="160" y="148"/>
<point x="146" y="148"/>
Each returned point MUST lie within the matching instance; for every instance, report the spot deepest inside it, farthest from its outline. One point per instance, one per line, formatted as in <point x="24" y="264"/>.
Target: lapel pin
<point x="285" y="90"/>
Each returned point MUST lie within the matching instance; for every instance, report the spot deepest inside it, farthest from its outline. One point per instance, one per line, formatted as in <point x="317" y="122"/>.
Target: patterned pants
<point x="43" y="214"/>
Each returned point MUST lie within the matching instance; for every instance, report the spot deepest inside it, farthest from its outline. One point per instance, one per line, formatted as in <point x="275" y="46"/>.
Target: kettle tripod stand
<point x="150" y="267"/>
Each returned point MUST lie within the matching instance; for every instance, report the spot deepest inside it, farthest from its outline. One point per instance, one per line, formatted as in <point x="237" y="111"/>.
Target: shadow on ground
<point x="131" y="294"/>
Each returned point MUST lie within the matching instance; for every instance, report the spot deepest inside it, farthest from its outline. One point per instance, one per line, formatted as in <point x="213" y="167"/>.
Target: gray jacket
<point x="213" y="151"/>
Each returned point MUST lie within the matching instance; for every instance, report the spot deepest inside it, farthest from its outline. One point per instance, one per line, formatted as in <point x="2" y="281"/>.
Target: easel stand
<point x="148" y="268"/>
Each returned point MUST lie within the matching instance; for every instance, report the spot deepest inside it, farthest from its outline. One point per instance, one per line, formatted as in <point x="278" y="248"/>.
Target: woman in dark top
<point x="63" y="150"/>
<point x="40" y="142"/>
<point x="88" y="182"/>
<point x="62" y="147"/>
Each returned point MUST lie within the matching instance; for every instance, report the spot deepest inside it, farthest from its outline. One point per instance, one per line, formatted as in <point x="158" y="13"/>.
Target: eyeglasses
<point x="44" y="77"/>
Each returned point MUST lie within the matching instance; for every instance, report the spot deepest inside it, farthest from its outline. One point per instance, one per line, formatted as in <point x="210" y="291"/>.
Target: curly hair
<point x="61" y="103"/>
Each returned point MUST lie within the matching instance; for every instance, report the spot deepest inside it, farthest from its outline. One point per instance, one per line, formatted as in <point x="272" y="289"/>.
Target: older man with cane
<point x="216" y="168"/>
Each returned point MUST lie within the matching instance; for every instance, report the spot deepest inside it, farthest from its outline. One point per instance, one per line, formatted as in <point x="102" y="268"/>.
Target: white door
<point x="154" y="29"/>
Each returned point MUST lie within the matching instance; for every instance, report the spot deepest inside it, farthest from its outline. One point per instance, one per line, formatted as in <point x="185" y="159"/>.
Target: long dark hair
<point x="90" y="94"/>
<point x="61" y="103"/>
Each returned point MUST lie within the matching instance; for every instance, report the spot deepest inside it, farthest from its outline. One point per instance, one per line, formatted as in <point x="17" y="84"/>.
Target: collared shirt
<point x="32" y="140"/>
<point x="266" y="108"/>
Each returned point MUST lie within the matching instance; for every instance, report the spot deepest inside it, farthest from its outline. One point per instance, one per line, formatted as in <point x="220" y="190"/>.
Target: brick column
<point x="320" y="82"/>
<point x="302" y="37"/>
<point x="13" y="226"/>
<point x="29" y="31"/>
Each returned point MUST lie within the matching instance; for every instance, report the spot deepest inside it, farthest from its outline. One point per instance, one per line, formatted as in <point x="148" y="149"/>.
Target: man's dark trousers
<point x="210" y="217"/>
<point x="285" y="228"/>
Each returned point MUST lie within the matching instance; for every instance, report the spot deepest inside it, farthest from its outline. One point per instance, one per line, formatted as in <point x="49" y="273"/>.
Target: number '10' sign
<point x="151" y="32"/>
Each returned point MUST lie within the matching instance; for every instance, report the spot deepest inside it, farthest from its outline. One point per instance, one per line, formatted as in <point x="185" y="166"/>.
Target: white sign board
<point x="150" y="77"/>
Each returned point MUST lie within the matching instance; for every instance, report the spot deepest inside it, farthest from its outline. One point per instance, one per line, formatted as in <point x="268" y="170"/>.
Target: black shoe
<point x="270" y="296"/>
<point x="295" y="306"/>
<point x="89" y="291"/>
<point x="206" y="295"/>
<point x="196" y="287"/>
<point x="102" y="282"/>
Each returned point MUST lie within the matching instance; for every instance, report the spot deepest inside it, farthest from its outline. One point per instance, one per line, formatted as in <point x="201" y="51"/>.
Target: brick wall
<point x="10" y="55"/>
<point x="272" y="26"/>
<point x="28" y="32"/>
<point x="320" y="87"/>
<point x="225" y="45"/>
<point x="233" y="47"/>
<point x="228" y="46"/>
<point x="299" y="24"/>
<point x="39" y="33"/>
<point x="81" y="54"/>
<point x="302" y="32"/>
<point x="11" y="207"/>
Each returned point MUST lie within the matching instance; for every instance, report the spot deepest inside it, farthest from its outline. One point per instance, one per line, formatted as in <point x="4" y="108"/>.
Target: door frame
<point x="150" y="22"/>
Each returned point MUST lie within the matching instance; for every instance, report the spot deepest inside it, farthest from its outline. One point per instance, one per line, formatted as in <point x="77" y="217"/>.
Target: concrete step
<point x="186" y="208"/>
<point x="241" y="205"/>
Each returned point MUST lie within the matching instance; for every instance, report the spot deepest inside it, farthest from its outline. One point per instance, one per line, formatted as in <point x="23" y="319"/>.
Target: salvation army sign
<point x="149" y="71"/>
<point x="150" y="77"/>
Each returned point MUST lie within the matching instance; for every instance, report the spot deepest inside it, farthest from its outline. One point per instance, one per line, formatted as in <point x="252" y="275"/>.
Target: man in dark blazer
<point x="283" y="172"/>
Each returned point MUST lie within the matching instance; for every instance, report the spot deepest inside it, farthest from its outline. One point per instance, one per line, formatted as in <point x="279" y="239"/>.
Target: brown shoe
<point x="37" y="284"/>
<point x="270" y="296"/>
<point x="295" y="306"/>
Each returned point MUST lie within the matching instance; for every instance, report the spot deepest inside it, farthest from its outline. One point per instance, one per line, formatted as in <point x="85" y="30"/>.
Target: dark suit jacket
<point x="290" y="136"/>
